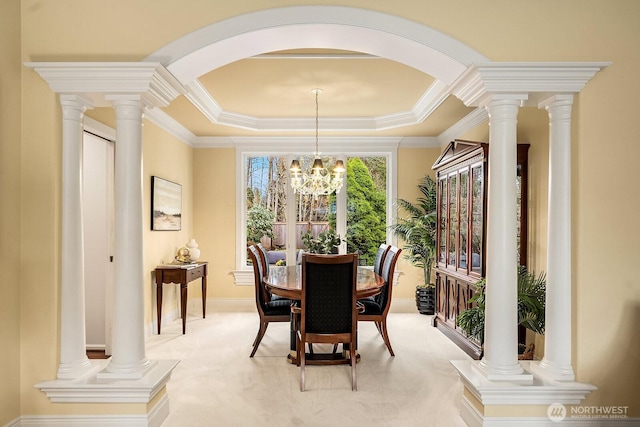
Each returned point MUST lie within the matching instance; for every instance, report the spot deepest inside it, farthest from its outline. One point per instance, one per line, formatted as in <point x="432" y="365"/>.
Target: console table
<point x="181" y="275"/>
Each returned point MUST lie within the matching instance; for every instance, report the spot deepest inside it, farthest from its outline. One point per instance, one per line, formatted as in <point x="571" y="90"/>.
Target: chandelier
<point x="319" y="181"/>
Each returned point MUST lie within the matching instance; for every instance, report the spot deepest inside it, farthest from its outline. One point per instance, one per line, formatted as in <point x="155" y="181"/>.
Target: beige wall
<point x="10" y="210"/>
<point x="169" y="158"/>
<point x="605" y="152"/>
<point x="215" y="219"/>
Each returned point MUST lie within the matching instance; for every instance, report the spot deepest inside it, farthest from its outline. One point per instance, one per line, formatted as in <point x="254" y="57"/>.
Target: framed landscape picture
<point x="166" y="204"/>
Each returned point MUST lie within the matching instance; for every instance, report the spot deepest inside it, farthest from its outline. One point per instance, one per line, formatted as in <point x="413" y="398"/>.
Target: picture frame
<point x="166" y="205"/>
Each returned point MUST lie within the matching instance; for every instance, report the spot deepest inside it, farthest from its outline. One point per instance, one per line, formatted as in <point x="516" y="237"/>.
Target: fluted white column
<point x="128" y="359"/>
<point x="500" y="361"/>
<point x="73" y="351"/>
<point x="556" y="362"/>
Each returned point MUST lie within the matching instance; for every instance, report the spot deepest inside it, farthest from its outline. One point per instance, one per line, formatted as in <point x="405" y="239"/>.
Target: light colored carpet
<point x="217" y="384"/>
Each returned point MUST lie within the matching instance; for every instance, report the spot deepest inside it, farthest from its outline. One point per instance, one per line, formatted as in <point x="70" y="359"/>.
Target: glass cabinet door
<point x="453" y="219"/>
<point x="464" y="218"/>
<point x="477" y="219"/>
<point x="442" y="237"/>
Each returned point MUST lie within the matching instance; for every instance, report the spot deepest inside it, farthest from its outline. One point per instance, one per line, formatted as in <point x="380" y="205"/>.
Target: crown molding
<point x="294" y="144"/>
<point x="468" y="122"/>
<point x="166" y="122"/>
<point x="534" y="80"/>
<point x="95" y="80"/>
<point x="419" y="142"/>
<point x="169" y="124"/>
<point x="198" y="95"/>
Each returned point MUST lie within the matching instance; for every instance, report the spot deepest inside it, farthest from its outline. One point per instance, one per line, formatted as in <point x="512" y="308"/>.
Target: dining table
<point x="286" y="282"/>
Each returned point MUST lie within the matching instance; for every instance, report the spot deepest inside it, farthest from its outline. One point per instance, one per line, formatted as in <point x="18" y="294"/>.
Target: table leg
<point x="159" y="298"/>
<point x="293" y="355"/>
<point x="183" y="306"/>
<point x="204" y="296"/>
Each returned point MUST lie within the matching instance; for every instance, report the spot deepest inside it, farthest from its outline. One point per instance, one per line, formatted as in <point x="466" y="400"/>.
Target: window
<point x="360" y="213"/>
<point x="366" y="206"/>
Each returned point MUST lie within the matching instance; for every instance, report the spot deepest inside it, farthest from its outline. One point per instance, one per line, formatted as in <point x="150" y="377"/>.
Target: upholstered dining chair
<point x="383" y="249"/>
<point x="380" y="255"/>
<point x="377" y="308"/>
<point x="269" y="311"/>
<point x="328" y="309"/>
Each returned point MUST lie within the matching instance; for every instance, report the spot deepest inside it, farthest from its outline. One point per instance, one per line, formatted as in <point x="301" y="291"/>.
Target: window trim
<point x="339" y="147"/>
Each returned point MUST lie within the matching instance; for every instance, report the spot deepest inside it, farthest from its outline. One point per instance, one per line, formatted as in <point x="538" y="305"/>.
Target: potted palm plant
<point x="531" y="307"/>
<point x="418" y="231"/>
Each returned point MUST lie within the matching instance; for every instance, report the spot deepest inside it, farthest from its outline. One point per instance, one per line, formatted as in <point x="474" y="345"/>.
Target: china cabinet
<point x="462" y="177"/>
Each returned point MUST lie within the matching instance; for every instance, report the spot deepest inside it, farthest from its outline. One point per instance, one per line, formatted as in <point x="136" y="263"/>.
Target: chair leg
<point x="302" y="363"/>
<point x="385" y="336"/>
<point x="352" y="357"/>
<point x="261" y="331"/>
<point x="298" y="344"/>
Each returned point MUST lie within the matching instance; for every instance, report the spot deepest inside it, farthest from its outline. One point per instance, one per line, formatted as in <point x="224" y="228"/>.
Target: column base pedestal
<point x="486" y="402"/>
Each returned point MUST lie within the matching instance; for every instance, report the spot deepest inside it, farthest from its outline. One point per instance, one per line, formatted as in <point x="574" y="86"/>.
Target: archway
<point x="329" y="27"/>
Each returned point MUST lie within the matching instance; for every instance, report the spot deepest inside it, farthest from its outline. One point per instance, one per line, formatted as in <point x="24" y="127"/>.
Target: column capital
<point x="490" y="99"/>
<point x="557" y="100"/>
<point x="75" y="101"/>
<point x="74" y="106"/>
<point x="503" y="107"/>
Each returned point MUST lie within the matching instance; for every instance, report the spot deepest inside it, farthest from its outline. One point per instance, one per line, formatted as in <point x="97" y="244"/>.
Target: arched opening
<point x="333" y="27"/>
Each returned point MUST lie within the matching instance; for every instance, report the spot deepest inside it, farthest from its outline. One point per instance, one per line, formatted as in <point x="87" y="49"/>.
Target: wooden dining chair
<point x="269" y="311"/>
<point x="328" y="309"/>
<point x="383" y="249"/>
<point x="377" y="308"/>
<point x="380" y="255"/>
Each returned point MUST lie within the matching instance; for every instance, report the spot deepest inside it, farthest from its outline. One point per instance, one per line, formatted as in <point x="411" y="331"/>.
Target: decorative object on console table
<point x="418" y="230"/>
<point x="461" y="183"/>
<point x="166" y="204"/>
<point x="182" y="274"/>
<point x="194" y="252"/>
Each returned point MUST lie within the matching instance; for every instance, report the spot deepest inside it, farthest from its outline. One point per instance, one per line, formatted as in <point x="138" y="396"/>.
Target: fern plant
<point x="531" y="305"/>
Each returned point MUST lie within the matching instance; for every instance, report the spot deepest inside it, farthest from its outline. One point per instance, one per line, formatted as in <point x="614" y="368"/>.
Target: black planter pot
<point x="426" y="300"/>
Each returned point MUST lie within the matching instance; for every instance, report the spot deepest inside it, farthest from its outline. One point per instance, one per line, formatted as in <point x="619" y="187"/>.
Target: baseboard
<point x="155" y="418"/>
<point x="473" y="418"/>
<point x="403" y="305"/>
